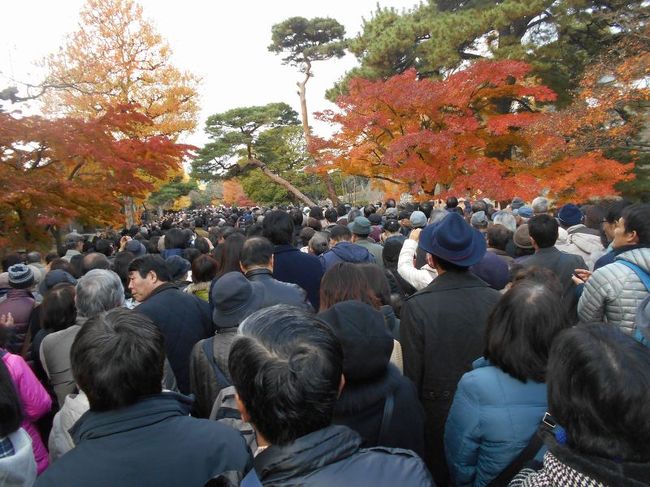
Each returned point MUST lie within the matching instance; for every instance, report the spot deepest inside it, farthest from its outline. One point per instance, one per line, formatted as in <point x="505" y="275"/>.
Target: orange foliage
<point x="233" y="193"/>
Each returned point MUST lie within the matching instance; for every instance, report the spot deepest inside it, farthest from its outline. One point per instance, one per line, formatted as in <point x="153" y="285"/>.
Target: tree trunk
<point x="129" y="214"/>
<point x="282" y="182"/>
<point x="302" y="93"/>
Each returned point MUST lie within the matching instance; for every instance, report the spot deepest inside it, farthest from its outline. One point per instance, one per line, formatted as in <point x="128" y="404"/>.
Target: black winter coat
<point x="305" y="270"/>
<point x="183" y="320"/>
<point x="278" y="292"/>
<point x="332" y="456"/>
<point x="442" y="330"/>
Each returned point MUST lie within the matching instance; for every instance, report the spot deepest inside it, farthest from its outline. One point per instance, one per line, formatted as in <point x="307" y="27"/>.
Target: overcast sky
<point x="224" y="43"/>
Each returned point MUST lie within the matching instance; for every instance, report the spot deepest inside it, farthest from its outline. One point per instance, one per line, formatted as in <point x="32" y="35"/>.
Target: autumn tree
<point x="454" y="135"/>
<point x="235" y="148"/>
<point x="303" y="42"/>
<point x="234" y="194"/>
<point x="52" y="171"/>
<point x="117" y="57"/>
<point x="174" y="189"/>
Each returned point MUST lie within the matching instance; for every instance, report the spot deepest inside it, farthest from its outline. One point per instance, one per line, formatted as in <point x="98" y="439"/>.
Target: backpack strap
<point x="389" y="406"/>
<point x="207" y="346"/>
<point x="643" y="275"/>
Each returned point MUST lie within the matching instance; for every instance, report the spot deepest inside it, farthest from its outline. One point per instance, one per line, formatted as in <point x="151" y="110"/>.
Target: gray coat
<point x="614" y="291"/>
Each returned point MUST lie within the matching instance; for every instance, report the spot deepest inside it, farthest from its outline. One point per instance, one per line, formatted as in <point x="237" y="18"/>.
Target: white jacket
<point x="60" y="441"/>
<point x="586" y="245"/>
<point x="418" y="278"/>
<point x="19" y="469"/>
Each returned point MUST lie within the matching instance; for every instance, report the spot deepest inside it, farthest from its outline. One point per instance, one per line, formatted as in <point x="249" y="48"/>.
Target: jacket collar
<point x="161" y="288"/>
<point x="147" y="411"/>
<point x="454" y="280"/>
<point x="278" y="249"/>
<point x="260" y="272"/>
<point x="306" y="454"/>
<point x="548" y="250"/>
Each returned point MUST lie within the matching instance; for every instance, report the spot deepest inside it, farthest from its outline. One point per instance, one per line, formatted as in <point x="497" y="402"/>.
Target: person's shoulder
<point x="390" y="466"/>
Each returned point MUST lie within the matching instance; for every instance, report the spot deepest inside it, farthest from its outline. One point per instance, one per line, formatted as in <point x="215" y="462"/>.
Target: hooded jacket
<point x="615" y="291"/>
<point x="586" y="245"/>
<point x="20" y="303"/>
<point x="332" y="456"/>
<point x="19" y="469"/>
<point x="346" y="252"/>
<point x="371" y="379"/>
<point x="60" y="441"/>
<point x="151" y="442"/>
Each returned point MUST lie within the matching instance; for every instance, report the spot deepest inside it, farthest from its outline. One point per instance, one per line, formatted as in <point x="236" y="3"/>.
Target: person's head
<point x="570" y="215"/>
<point x="204" y="268"/>
<point x="175" y="238"/>
<point x="479" y="220"/>
<point x="377" y="282"/>
<point x="521" y="329"/>
<point x="345" y="281"/>
<point x="418" y="219"/>
<point x="235" y="298"/>
<point x="231" y="253"/>
<point x="73" y="241"/>
<point x="538" y="275"/>
<point x="98" y="291"/>
<point x="390" y="203"/>
<point x="146" y="274"/>
<point x="613" y="212"/>
<point x="543" y="231"/>
<point x="257" y="252"/>
<point x="506" y="219"/>
<point x="319" y="243"/>
<point x="178" y="267"/>
<point x="278" y="227"/>
<point x="452" y="202"/>
<point x="117" y="358"/>
<point x="104" y="246"/>
<point x="34" y="257"/>
<point x="498" y="237"/>
<point x="331" y="215"/>
<point x="340" y="233"/>
<point x="94" y="260"/>
<point x="633" y="228"/>
<point x="287" y="369"/>
<point x="58" y="310"/>
<point x="21" y="276"/>
<point x="539" y="205"/>
<point x="316" y="212"/>
<point x="305" y="235"/>
<point x="11" y="410"/>
<point x="60" y="264"/>
<point x="598" y="391"/>
<point x="361" y="227"/>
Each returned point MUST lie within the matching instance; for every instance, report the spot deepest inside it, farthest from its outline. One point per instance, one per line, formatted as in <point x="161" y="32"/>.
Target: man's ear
<point x="341" y="385"/>
<point x="242" y="409"/>
<point x="151" y="275"/>
<point x="430" y="261"/>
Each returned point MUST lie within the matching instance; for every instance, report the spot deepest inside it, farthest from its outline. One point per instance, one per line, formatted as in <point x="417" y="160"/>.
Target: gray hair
<point x="506" y="219"/>
<point x="97" y="291"/>
<point x="437" y="216"/>
<point x="539" y="205"/>
<point x="319" y="243"/>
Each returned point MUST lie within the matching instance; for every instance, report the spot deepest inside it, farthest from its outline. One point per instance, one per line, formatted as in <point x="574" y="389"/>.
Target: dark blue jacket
<point x="278" y="292"/>
<point x="183" y="320"/>
<point x="346" y="252"/>
<point x="152" y="442"/>
<point x="332" y="456"/>
<point x="490" y="422"/>
<point x="292" y="265"/>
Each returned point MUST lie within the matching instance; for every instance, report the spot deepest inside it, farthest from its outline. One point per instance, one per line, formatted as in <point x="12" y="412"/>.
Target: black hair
<point x="117" y="357"/>
<point x="230" y="254"/>
<point x="521" y="329"/>
<point x="204" y="269"/>
<point x="369" y="210"/>
<point x="257" y="251"/>
<point x="540" y="275"/>
<point x="331" y="215"/>
<point x="341" y="210"/>
<point x="426" y="207"/>
<point x="58" y="310"/>
<point x="76" y="265"/>
<point x="201" y="244"/>
<point x="637" y="219"/>
<point x="377" y="282"/>
<point x="296" y="216"/>
<point x="190" y="253"/>
<point x="316" y="212"/>
<point x="175" y="238"/>
<point x="599" y="390"/>
<point x="340" y="232"/>
<point x="278" y="227"/>
<point x="452" y="202"/>
<point x="104" y="246"/>
<point x="145" y="264"/>
<point x="11" y="411"/>
<point x="450" y="266"/>
<point x="345" y="281"/>
<point x="286" y="369"/>
<point x="498" y="237"/>
<point x="544" y="230"/>
<point x="479" y="205"/>
<point x="121" y="265"/>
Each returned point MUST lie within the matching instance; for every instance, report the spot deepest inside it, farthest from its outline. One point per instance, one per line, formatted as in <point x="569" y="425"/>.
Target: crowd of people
<point x="441" y="343"/>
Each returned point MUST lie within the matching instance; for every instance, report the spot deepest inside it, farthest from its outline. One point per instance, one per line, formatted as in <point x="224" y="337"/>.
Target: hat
<point x="570" y="215"/>
<point x="366" y="342"/>
<point x="390" y="213"/>
<point x="453" y="240"/>
<point x="374" y="219"/>
<point x="525" y="212"/>
<point x="135" y="247"/>
<point x="521" y="237"/>
<point x="53" y="278"/>
<point x="517" y="203"/>
<point x="177" y="266"/>
<point x="73" y="237"/>
<point x="392" y="226"/>
<point x="20" y="276"/>
<point x="235" y="298"/>
<point x="479" y="219"/>
<point x="360" y="226"/>
<point x="418" y="219"/>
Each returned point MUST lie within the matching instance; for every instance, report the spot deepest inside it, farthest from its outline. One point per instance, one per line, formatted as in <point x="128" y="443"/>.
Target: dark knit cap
<point x="21" y="276"/>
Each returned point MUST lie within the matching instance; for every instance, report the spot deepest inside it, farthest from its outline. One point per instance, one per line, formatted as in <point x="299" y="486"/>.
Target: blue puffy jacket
<point x="491" y="421"/>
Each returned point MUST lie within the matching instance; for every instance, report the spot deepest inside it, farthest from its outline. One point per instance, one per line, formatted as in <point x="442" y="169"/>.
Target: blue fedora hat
<point x="453" y="240"/>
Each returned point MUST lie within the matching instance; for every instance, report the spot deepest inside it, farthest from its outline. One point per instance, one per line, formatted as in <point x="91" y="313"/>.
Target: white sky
<point x="224" y="43"/>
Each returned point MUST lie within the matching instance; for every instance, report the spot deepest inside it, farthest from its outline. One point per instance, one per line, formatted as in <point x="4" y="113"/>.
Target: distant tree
<point x="169" y="192"/>
<point x="305" y="41"/>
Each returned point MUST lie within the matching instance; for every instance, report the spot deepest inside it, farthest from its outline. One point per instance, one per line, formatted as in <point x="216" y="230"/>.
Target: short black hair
<point x="543" y="229"/>
<point x="11" y="410"/>
<point x="521" y="329"/>
<point x="256" y="251"/>
<point x="286" y="368"/>
<point x="452" y="202"/>
<point x="598" y="392"/>
<point x="296" y="216"/>
<point x="117" y="357"/>
<point x="278" y="227"/>
<point x="340" y="232"/>
<point x="175" y="238"/>
<point x="341" y="210"/>
<point x="331" y="215"/>
<point x="498" y="236"/>
<point x="369" y="210"/>
<point x="204" y="268"/>
<point x="637" y="218"/>
<point x="147" y="263"/>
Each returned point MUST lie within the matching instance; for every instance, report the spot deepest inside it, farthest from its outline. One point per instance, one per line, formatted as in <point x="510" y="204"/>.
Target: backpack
<point x="208" y="349"/>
